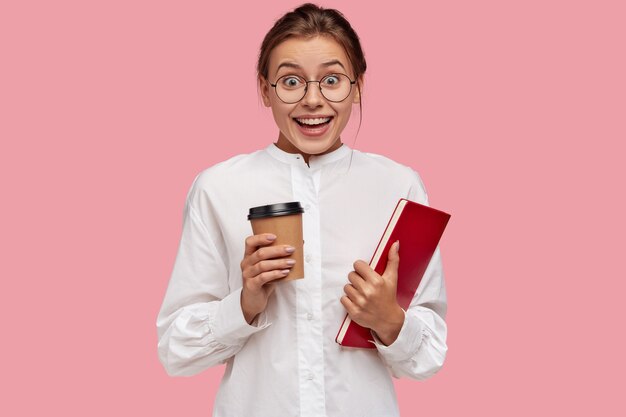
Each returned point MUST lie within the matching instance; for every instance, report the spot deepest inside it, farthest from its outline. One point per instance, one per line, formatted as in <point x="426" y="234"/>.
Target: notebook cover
<point x="419" y="229"/>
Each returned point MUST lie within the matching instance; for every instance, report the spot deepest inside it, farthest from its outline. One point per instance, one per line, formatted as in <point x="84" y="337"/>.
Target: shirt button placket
<point x="310" y="331"/>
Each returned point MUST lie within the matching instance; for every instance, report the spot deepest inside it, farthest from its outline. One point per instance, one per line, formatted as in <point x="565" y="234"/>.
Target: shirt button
<point x="310" y="377"/>
<point x="308" y="206"/>
<point x="308" y="258"/>
<point x="309" y="316"/>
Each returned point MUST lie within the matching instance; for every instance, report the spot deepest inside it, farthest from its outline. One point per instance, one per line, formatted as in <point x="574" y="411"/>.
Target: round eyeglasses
<point x="291" y="89"/>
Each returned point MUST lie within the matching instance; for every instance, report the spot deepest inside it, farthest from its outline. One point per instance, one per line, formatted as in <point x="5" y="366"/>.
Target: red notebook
<point x="419" y="229"/>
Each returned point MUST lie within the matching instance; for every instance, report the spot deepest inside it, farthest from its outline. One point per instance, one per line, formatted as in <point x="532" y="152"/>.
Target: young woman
<point x="277" y="340"/>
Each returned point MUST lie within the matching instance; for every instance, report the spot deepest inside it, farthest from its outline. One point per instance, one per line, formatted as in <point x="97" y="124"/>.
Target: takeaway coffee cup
<point x="285" y="221"/>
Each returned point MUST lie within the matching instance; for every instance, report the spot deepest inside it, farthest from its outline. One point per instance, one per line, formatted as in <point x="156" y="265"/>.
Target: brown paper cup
<point x="285" y="221"/>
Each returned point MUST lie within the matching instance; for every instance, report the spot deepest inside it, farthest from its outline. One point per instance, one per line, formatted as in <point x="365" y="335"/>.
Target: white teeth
<point x="314" y="121"/>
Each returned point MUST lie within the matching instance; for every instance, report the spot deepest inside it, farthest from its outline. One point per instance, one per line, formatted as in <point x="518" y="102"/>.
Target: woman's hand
<point x="371" y="298"/>
<point x="259" y="268"/>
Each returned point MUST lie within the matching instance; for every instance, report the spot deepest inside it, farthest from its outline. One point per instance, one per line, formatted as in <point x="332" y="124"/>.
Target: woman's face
<point x="310" y="59"/>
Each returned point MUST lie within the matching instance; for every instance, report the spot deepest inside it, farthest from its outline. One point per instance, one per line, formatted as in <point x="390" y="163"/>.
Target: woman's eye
<point x="292" y="82"/>
<point x="331" y="80"/>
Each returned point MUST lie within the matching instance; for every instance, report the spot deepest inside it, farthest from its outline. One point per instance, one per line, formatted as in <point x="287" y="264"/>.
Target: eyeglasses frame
<point x="319" y="84"/>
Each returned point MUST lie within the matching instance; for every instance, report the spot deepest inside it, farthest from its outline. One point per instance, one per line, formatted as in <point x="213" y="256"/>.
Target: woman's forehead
<point x="308" y="53"/>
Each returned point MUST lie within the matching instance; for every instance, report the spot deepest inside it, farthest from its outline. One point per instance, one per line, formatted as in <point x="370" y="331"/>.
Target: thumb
<point x="393" y="261"/>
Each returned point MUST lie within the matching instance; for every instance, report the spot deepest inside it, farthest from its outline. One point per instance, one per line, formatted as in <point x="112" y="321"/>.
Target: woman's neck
<point x="284" y="144"/>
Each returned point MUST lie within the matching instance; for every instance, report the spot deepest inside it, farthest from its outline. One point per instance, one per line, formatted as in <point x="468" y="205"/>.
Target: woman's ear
<point x="359" y="90"/>
<point x="265" y="91"/>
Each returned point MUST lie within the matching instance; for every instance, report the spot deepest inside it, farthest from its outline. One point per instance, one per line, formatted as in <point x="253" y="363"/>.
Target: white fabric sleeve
<point x="420" y="349"/>
<point x="201" y="323"/>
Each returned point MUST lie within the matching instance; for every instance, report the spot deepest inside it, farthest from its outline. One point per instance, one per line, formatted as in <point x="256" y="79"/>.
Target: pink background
<point x="512" y="112"/>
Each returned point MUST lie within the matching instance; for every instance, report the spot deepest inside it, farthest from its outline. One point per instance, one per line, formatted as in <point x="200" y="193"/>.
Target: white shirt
<point x="287" y="362"/>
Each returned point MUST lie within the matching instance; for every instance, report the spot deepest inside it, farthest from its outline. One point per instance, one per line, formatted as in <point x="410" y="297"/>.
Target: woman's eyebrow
<point x="323" y="64"/>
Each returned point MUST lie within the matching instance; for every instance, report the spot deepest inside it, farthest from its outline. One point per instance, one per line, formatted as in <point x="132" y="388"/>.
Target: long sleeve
<point x="420" y="349"/>
<point x="200" y="323"/>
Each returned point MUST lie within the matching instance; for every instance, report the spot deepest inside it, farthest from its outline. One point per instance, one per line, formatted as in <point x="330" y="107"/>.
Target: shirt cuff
<point x="406" y="344"/>
<point x="229" y="326"/>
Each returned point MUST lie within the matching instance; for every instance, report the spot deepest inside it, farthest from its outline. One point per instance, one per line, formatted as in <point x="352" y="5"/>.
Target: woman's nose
<point x="313" y="96"/>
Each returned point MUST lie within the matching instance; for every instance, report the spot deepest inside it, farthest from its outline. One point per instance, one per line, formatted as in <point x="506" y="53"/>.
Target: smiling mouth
<point x="321" y="121"/>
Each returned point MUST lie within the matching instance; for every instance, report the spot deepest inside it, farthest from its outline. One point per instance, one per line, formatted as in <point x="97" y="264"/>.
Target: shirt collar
<point x="314" y="160"/>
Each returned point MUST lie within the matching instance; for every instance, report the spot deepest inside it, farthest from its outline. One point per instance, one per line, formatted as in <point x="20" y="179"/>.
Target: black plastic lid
<point x="275" y="210"/>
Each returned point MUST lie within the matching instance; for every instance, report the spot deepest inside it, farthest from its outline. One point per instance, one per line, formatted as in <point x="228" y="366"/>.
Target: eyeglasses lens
<point x="335" y="87"/>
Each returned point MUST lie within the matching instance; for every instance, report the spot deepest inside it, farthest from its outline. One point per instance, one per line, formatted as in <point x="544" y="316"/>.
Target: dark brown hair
<point x="309" y="20"/>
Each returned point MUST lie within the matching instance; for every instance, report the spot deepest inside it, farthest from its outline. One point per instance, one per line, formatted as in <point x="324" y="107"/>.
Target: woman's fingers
<point x="269" y="265"/>
<point x="269" y="276"/>
<point x="260" y="267"/>
<point x="353" y="295"/>
<point x="253" y="242"/>
<point x="258" y="249"/>
<point x="271" y="252"/>
<point x="263" y="263"/>
<point x="357" y="281"/>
